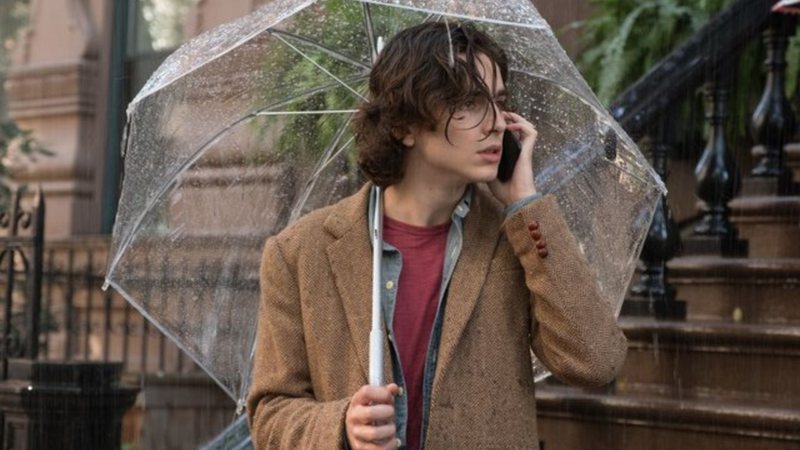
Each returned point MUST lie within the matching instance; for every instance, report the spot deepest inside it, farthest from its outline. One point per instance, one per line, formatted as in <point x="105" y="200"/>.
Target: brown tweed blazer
<point x="504" y="300"/>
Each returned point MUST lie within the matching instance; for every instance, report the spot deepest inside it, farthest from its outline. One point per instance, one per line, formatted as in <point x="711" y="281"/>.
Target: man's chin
<point x="488" y="178"/>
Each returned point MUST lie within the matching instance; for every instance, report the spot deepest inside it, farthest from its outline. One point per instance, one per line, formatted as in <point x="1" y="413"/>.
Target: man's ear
<point x="406" y="135"/>
<point x="409" y="139"/>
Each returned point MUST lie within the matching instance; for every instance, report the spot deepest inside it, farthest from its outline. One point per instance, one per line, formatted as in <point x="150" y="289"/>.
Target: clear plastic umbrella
<point x="787" y="6"/>
<point x="245" y="128"/>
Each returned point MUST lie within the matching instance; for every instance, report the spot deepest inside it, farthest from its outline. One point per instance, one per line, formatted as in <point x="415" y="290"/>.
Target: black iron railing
<point x="78" y="321"/>
<point x="86" y="323"/>
<point x="646" y="109"/>
<point x="21" y="253"/>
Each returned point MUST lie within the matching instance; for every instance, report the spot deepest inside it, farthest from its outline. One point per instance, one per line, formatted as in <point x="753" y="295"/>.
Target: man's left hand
<point x="521" y="183"/>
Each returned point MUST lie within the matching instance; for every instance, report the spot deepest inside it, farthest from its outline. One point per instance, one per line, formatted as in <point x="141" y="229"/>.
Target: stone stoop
<point x="693" y="385"/>
<point x="575" y="419"/>
<point x="770" y="225"/>
<point x="739" y="290"/>
<point x="755" y="362"/>
<point x="792" y="153"/>
<point x="725" y="378"/>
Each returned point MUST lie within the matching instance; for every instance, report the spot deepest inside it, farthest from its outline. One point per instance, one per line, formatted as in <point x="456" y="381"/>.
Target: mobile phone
<point x="508" y="160"/>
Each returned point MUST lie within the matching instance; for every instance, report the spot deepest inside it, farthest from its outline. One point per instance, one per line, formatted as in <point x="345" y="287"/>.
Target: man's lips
<point x="491" y="154"/>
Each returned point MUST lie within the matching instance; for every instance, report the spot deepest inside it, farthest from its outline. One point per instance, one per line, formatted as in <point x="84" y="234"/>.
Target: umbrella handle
<point x="376" y="334"/>
<point x="376" y="357"/>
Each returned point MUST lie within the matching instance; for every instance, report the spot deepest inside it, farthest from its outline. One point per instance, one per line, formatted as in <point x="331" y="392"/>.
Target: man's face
<point x="472" y="153"/>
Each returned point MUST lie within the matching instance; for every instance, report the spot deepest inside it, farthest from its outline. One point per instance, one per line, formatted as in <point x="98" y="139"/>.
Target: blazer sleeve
<point x="574" y="333"/>
<point x="281" y="407"/>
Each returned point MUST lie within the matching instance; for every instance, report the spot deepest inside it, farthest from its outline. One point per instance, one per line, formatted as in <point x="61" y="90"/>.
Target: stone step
<point x="746" y="290"/>
<point x="712" y="359"/>
<point x="770" y="225"/>
<point x="572" y="419"/>
<point x="793" y="160"/>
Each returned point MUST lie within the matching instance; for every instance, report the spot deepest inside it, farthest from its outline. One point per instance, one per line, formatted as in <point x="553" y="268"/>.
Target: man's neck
<point x="421" y="204"/>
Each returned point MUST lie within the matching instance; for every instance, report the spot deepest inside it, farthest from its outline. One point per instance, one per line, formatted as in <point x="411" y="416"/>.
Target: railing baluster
<point x="717" y="176"/>
<point x="126" y="334"/>
<point x="652" y="295"/>
<point x="163" y="287"/>
<point x="107" y="326"/>
<point x="9" y="255"/>
<point x="89" y="278"/>
<point x="36" y="266"/>
<point x="145" y="334"/>
<point x="773" y="121"/>
<point x="68" y="304"/>
<point x="48" y="299"/>
<point x="181" y="286"/>
<point x="145" y="324"/>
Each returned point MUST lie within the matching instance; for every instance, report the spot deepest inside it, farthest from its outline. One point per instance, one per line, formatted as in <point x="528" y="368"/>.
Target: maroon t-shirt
<point x="415" y="306"/>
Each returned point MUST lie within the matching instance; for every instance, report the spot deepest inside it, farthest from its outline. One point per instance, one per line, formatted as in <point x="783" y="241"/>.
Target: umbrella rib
<point x="370" y="31"/>
<point x="301" y="53"/>
<point x="326" y="155"/>
<point x="310" y="186"/>
<point x="163" y="329"/>
<point x="313" y="178"/>
<point x="145" y="91"/>
<point x="295" y="113"/>
<point x="459" y="16"/>
<point x="337" y="55"/>
<point x="334" y="156"/>
<point x="265" y="110"/>
<point x="198" y="153"/>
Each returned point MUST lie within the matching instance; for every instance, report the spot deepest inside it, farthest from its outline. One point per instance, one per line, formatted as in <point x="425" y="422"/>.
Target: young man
<point x="474" y="277"/>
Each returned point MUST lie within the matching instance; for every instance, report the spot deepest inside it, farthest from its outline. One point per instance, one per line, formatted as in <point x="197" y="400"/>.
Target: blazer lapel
<point x="481" y="232"/>
<point x="350" y="258"/>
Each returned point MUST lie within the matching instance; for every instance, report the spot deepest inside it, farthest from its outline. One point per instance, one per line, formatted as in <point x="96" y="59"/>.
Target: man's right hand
<point x="370" y="418"/>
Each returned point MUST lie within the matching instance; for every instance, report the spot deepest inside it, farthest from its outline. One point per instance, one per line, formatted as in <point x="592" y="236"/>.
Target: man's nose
<point x="499" y="123"/>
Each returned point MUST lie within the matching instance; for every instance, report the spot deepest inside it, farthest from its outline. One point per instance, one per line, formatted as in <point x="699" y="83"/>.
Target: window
<point x="146" y="32"/>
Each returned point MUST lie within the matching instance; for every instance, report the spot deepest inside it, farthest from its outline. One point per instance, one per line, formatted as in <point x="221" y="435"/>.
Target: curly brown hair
<point x="414" y="79"/>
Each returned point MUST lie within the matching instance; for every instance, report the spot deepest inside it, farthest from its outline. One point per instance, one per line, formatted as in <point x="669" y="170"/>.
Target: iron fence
<point x="81" y="321"/>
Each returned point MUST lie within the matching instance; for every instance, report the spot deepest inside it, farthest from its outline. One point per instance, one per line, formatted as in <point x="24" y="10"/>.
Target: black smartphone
<point x="509" y="158"/>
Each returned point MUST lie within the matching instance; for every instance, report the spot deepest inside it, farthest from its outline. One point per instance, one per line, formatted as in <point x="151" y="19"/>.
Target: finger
<point x="379" y="414"/>
<point x="521" y="126"/>
<point x="361" y="445"/>
<point x="389" y="444"/>
<point x="371" y="395"/>
<point x="525" y="125"/>
<point x="524" y="134"/>
<point x="374" y="435"/>
<point x="516" y="117"/>
<point x="519" y="121"/>
<point x="527" y="133"/>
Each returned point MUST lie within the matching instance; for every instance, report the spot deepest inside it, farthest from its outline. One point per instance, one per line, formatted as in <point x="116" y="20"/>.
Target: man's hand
<point x="370" y="419"/>
<point x="521" y="183"/>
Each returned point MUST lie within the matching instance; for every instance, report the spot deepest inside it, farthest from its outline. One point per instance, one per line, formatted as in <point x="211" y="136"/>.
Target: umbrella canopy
<point x="245" y="128"/>
<point x="787" y="6"/>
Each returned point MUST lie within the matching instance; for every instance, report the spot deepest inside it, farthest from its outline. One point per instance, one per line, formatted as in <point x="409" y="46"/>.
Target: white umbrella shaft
<point x="376" y="334"/>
